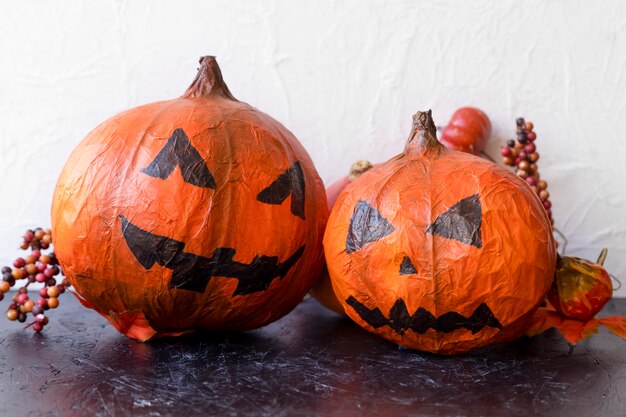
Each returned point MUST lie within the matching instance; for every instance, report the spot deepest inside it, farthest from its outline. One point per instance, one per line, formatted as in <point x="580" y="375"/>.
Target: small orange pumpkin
<point x="468" y="131"/>
<point x="197" y="212"/>
<point x="439" y="250"/>
<point x="322" y="290"/>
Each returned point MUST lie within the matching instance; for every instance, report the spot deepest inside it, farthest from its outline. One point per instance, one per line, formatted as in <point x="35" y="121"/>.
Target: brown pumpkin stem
<point x="602" y="256"/>
<point x="424" y="132"/>
<point x="359" y="168"/>
<point x="209" y="81"/>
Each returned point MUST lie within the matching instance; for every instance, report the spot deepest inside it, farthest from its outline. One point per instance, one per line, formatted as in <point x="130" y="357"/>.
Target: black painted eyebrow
<point x="179" y="152"/>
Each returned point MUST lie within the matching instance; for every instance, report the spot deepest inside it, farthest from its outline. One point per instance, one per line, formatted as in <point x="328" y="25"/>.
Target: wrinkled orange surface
<point x="245" y="150"/>
<point x="511" y="272"/>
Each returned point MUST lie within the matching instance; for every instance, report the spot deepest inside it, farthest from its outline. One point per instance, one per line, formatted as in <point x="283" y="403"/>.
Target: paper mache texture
<point x="194" y="213"/>
<point x="438" y="250"/>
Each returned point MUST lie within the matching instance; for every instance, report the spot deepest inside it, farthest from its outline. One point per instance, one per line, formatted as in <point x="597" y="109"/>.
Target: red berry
<point x="55" y="270"/>
<point x="22" y="290"/>
<point x="505" y="151"/>
<point x="41" y="267"/>
<point x="37" y="309"/>
<point x="523" y="155"/>
<point x="22" y="298"/>
<point x="36" y="253"/>
<point x="51" y="282"/>
<point x="40" y="277"/>
<point x="45" y="245"/>
<point x="19" y="262"/>
<point x="532" y="136"/>
<point x="517" y="160"/>
<point x="43" y="302"/>
<point x="43" y="293"/>
<point x="40" y="318"/>
<point x="29" y="235"/>
<point x="48" y="273"/>
<point x="530" y="148"/>
<point x="547" y="204"/>
<point x="37" y="327"/>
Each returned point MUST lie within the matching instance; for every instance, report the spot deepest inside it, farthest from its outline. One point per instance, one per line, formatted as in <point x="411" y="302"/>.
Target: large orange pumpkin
<point x="439" y="250"/>
<point x="197" y="212"/>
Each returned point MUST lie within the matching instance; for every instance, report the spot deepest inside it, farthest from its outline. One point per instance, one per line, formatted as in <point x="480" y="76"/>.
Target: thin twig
<point x="562" y="236"/>
<point x="619" y="283"/>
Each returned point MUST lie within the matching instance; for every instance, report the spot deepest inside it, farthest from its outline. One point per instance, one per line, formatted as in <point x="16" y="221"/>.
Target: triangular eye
<point x="290" y="182"/>
<point x="407" y="267"/>
<point x="366" y="225"/>
<point x="178" y="151"/>
<point x="462" y="222"/>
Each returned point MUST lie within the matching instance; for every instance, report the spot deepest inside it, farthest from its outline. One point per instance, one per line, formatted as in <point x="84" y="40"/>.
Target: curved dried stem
<point x="619" y="283"/>
<point x="562" y="236"/>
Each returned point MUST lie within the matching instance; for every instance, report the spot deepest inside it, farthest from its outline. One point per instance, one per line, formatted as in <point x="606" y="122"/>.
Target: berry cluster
<point x="36" y="267"/>
<point x="522" y="154"/>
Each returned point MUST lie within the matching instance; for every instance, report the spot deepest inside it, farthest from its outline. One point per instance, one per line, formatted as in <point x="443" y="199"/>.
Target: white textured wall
<point x="344" y="76"/>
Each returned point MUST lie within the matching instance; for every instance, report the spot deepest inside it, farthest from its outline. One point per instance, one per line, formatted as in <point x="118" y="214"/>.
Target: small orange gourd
<point x="581" y="288"/>
<point x="322" y="290"/>
<point x="468" y="130"/>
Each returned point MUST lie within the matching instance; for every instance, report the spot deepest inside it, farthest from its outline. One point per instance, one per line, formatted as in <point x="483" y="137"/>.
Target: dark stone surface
<point x="309" y="363"/>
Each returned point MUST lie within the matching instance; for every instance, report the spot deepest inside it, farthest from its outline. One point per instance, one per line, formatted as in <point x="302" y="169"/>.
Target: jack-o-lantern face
<point x="438" y="250"/>
<point x="199" y="212"/>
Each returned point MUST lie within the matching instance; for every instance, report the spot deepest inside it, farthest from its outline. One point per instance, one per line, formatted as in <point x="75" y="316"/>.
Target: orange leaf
<point x="615" y="324"/>
<point x="544" y="319"/>
<point x="575" y="330"/>
<point x="572" y="330"/>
